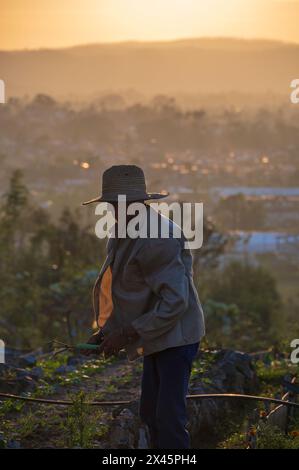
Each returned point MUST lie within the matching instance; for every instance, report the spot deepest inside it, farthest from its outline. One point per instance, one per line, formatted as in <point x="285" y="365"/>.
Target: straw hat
<point x="125" y="180"/>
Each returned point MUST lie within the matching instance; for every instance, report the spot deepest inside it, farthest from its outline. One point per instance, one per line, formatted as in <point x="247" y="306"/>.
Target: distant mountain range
<point x="184" y="66"/>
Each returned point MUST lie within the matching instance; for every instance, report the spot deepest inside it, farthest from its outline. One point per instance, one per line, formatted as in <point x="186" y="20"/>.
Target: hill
<point x="206" y="65"/>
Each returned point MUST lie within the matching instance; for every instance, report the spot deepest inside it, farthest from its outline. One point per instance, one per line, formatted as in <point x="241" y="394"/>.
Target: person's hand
<point x="117" y="339"/>
<point x="95" y="338"/>
<point x="113" y="343"/>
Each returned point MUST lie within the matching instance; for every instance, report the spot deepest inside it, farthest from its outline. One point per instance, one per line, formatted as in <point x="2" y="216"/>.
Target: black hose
<point x="127" y="402"/>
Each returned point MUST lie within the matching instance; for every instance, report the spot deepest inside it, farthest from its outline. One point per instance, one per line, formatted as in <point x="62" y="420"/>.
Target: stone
<point x="231" y="372"/>
<point x="3" y="369"/>
<point x="22" y="372"/>
<point x="279" y="417"/>
<point x="2" y="441"/>
<point x="64" y="369"/>
<point x="27" y="360"/>
<point x="24" y="384"/>
<point x="17" y="385"/>
<point x="75" y="360"/>
<point x="12" y="444"/>
<point x="37" y="373"/>
<point x="125" y="431"/>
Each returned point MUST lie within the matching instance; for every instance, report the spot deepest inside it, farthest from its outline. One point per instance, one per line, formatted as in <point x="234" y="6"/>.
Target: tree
<point x="17" y="196"/>
<point x="237" y="213"/>
<point x="253" y="290"/>
<point x="46" y="271"/>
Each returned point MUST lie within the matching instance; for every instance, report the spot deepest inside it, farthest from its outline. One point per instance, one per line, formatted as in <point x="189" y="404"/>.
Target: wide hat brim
<point x="129" y="197"/>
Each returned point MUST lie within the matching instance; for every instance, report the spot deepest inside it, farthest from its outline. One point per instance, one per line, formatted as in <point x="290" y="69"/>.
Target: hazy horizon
<point x="26" y="24"/>
<point x="191" y="66"/>
<point x="133" y="41"/>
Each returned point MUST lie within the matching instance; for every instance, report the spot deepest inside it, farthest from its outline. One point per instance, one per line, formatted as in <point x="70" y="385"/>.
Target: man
<point x="145" y="302"/>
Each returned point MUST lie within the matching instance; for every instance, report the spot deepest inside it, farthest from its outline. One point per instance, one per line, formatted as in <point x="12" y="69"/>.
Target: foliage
<point x="237" y="213"/>
<point x="78" y="424"/>
<point x="201" y="365"/>
<point x="214" y="243"/>
<point x="46" y="271"/>
<point x="270" y="371"/>
<point x="247" y="299"/>
<point x="271" y="437"/>
<point x="221" y="319"/>
<point x="10" y="405"/>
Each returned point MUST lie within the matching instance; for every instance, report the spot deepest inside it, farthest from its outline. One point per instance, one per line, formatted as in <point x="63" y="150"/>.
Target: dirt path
<point x="32" y="425"/>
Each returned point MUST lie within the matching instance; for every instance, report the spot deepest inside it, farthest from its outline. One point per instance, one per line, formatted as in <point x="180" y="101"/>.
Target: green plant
<point x="273" y="371"/>
<point x="27" y="425"/>
<point x="243" y="303"/>
<point x="81" y="423"/>
<point x="270" y="437"/>
<point x="11" y="405"/>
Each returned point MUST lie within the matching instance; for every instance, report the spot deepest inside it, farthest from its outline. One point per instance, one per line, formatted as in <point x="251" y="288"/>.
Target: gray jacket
<point x="152" y="288"/>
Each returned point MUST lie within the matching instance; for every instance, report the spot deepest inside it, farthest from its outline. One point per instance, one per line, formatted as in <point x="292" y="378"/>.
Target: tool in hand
<point x="77" y="347"/>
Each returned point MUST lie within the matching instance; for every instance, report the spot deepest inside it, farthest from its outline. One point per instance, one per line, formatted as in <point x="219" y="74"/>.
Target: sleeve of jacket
<point x="164" y="271"/>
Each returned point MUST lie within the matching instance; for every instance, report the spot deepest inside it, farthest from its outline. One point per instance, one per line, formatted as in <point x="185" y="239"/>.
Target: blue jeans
<point x="165" y="382"/>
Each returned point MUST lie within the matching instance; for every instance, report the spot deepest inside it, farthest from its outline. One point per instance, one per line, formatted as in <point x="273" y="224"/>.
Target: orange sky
<point x="59" y="23"/>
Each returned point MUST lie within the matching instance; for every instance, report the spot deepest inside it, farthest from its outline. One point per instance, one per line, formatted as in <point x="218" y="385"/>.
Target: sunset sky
<point x="60" y="23"/>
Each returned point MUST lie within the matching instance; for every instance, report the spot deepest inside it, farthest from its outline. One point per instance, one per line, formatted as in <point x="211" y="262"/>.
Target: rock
<point x="18" y="385"/>
<point x="15" y="380"/>
<point x="75" y="360"/>
<point x="231" y="372"/>
<point x="20" y="373"/>
<point x="3" y="369"/>
<point x="12" y="444"/>
<point x="64" y="369"/>
<point x="123" y="434"/>
<point x="37" y="373"/>
<point x="57" y="388"/>
<point x="27" y="360"/>
<point x="279" y="417"/>
<point x="12" y="355"/>
<point x="2" y="441"/>
<point x="24" y="384"/>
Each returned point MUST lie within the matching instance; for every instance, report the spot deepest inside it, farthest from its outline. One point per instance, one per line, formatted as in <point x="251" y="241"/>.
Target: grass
<point x="202" y="365"/>
<point x="271" y="437"/>
<point x="270" y="377"/>
<point x="82" y="372"/>
<point x="79" y="425"/>
<point x="82" y="424"/>
<point x="37" y="425"/>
